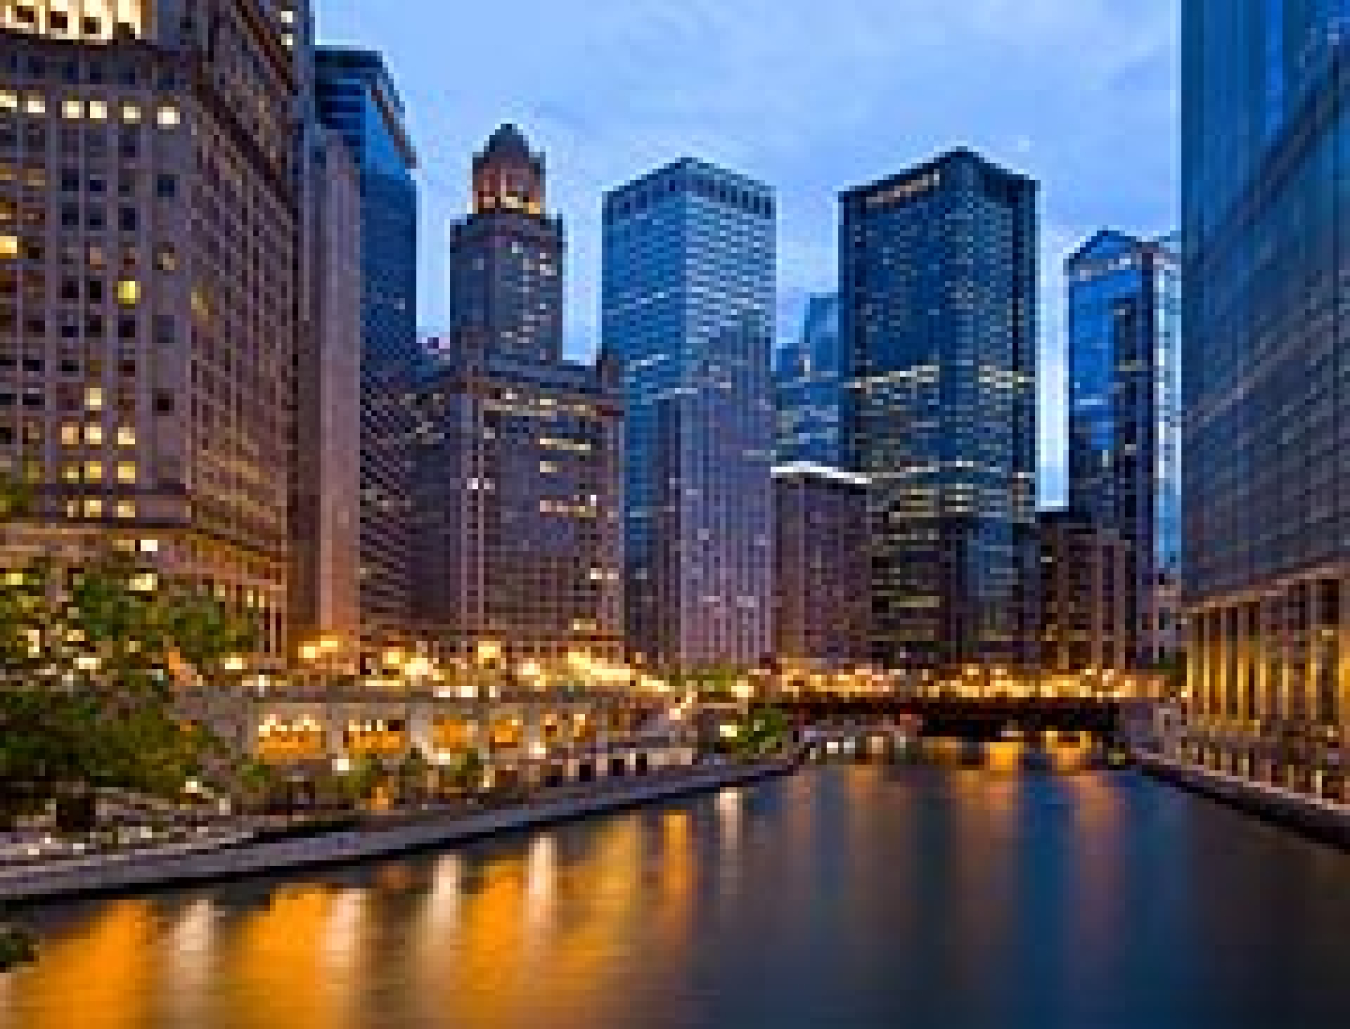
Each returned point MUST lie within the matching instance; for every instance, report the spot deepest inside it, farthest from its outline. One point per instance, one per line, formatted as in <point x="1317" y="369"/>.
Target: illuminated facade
<point x="517" y="508"/>
<point x="357" y="100"/>
<point x="1124" y="418"/>
<point x="506" y="257"/>
<point x="1087" y="622"/>
<point x="688" y="306"/>
<point x="938" y="324"/>
<point x="1265" y="139"/>
<point x="148" y="283"/>
<point x="821" y="565"/>
<point x="809" y="389"/>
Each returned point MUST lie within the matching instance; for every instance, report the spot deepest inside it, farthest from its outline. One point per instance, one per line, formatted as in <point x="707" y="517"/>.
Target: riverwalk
<point x="1315" y="817"/>
<point x="151" y="871"/>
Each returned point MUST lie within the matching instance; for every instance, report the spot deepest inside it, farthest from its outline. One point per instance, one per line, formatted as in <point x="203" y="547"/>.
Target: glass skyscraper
<point x="1266" y="383"/>
<point x="938" y="319"/>
<point x="357" y="98"/>
<point x="1124" y="433"/>
<point x="688" y="310"/>
<point x="809" y="389"/>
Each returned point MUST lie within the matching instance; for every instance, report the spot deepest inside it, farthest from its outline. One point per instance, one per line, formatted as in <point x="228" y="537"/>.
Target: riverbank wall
<point x="281" y="857"/>
<point x="1317" y="819"/>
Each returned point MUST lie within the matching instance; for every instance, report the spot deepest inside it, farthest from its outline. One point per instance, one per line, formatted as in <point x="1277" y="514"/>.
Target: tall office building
<point x="148" y="286"/>
<point x="357" y="99"/>
<point x="688" y="308"/>
<point x="938" y="318"/>
<point x="1265" y="394"/>
<point x="1124" y="419"/>
<point x="506" y="257"/>
<point x="809" y="389"/>
<point x="1086" y="619"/>
<point x="821" y="605"/>
<point x="517" y="496"/>
<point x="517" y="507"/>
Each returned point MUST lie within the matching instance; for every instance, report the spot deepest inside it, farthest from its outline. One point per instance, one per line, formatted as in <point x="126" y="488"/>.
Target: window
<point x="98" y="110"/>
<point x="126" y="436"/>
<point x="166" y="257"/>
<point x="167" y="116"/>
<point x="131" y="113"/>
<point x="9" y="247"/>
<point x="70" y="472"/>
<point x="126" y="510"/>
<point x="126" y="472"/>
<point x="93" y="398"/>
<point x="128" y="292"/>
<point x="93" y="508"/>
<point x="93" y="471"/>
<point x="70" y="434"/>
<point x="73" y="110"/>
<point x="9" y="100"/>
<point x="166" y="186"/>
<point x="93" y="434"/>
<point x="35" y="103"/>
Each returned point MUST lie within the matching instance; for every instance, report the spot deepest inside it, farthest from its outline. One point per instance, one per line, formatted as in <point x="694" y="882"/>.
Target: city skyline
<point x="852" y="102"/>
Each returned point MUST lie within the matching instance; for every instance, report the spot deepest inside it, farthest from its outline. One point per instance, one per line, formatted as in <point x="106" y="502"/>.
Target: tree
<point x="412" y="775"/>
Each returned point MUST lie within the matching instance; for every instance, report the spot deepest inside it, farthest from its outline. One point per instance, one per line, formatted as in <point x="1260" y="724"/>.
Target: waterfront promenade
<point x="177" y="866"/>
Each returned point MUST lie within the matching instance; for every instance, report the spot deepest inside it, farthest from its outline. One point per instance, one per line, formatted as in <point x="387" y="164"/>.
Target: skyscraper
<point x="1124" y="429"/>
<point x="688" y="308"/>
<point x="809" y="389"/>
<point x="938" y="324"/>
<point x="357" y="99"/>
<point x="1265" y="393"/>
<point x="506" y="258"/>
<point x="148" y="285"/>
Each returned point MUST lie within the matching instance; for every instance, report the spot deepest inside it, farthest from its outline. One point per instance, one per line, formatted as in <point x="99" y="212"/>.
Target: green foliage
<point x="17" y="947"/>
<point x="764" y="731"/>
<point x="365" y="778"/>
<point x="465" y="770"/>
<point x="87" y="662"/>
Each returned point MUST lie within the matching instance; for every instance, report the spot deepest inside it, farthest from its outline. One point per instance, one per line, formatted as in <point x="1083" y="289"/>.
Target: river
<point x="844" y="896"/>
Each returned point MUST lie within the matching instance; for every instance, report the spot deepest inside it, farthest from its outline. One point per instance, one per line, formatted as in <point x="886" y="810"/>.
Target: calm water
<point x="846" y="896"/>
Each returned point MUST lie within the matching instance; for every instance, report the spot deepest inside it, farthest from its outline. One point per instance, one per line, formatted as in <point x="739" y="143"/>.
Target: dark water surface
<point x="847" y="896"/>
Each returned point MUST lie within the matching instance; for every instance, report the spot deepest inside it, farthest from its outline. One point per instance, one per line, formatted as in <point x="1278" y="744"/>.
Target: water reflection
<point x="847" y="896"/>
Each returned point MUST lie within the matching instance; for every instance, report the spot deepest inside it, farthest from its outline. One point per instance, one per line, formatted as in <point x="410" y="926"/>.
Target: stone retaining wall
<point x="363" y="844"/>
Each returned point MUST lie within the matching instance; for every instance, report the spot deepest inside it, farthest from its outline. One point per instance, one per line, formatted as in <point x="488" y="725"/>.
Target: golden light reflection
<point x="102" y="976"/>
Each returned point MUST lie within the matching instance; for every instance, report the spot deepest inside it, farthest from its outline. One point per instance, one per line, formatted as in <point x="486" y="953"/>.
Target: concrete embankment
<point x="1319" y="819"/>
<point x="283" y="856"/>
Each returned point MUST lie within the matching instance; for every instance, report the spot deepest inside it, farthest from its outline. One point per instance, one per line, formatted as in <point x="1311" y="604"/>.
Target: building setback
<point x="821" y="569"/>
<point x="1266" y="515"/>
<point x="357" y="100"/>
<point x="688" y="307"/>
<point x="809" y="390"/>
<point x="506" y="257"/>
<point x="938" y="323"/>
<point x="1124" y="419"/>
<point x="517" y="494"/>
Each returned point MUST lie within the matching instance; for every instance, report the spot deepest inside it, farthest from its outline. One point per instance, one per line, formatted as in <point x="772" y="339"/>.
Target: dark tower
<point x="506" y="257"/>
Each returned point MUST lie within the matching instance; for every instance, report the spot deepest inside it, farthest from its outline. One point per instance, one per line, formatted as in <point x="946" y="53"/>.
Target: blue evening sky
<point x="811" y="96"/>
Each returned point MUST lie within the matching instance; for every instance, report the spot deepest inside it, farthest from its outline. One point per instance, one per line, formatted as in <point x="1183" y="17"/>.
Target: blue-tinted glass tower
<point x="809" y="389"/>
<point x="938" y="319"/>
<point x="1124" y="409"/>
<point x="688" y="309"/>
<point x="357" y="98"/>
<point x="1266" y="382"/>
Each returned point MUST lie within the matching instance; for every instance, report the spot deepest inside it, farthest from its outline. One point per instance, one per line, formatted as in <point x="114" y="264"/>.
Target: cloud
<point x="808" y="96"/>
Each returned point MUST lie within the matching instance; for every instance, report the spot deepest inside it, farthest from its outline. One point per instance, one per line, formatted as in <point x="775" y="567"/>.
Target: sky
<point x="810" y="96"/>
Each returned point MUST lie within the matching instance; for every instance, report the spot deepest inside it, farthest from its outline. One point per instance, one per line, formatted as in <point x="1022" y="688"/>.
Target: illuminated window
<point x="9" y="100"/>
<point x="93" y="398"/>
<point x="125" y="509"/>
<point x="93" y="471"/>
<point x="126" y="472"/>
<point x="131" y="113"/>
<point x="149" y="546"/>
<point x="93" y="508"/>
<point x="126" y="436"/>
<point x="9" y="247"/>
<point x="73" y="110"/>
<point x="143" y="583"/>
<point x="128" y="292"/>
<point x="70" y="435"/>
<point x="35" y="103"/>
<point x="98" y="110"/>
<point x="167" y="116"/>
<point x="93" y="434"/>
<point x="70" y="472"/>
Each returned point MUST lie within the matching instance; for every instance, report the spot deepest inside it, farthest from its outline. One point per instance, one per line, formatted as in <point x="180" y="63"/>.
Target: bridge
<point x="983" y="718"/>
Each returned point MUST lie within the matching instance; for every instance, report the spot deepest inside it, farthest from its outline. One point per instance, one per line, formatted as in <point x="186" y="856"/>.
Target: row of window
<point x="166" y="116"/>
